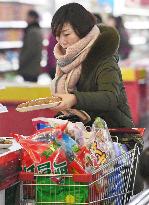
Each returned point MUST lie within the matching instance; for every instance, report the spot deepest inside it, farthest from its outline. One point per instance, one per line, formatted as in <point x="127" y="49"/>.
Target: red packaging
<point x="86" y="159"/>
<point x="75" y="168"/>
<point x="84" y="162"/>
<point x="39" y="157"/>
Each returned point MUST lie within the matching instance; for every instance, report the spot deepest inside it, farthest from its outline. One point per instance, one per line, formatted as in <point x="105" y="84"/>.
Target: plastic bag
<point x="100" y="143"/>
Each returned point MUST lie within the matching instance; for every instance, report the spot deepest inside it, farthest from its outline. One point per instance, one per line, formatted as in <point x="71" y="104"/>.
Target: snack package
<point x="46" y="135"/>
<point x="39" y="157"/>
<point x="43" y="122"/>
<point x="46" y="158"/>
<point x="67" y="144"/>
<point x="68" y="192"/>
<point x="76" y="131"/>
<point x="51" y="151"/>
<point x="101" y="143"/>
<point x="120" y="149"/>
<point x="84" y="161"/>
<point x="71" y="148"/>
<point x="116" y="180"/>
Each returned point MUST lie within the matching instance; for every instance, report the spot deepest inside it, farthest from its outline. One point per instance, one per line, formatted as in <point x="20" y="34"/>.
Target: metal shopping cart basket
<point x="111" y="184"/>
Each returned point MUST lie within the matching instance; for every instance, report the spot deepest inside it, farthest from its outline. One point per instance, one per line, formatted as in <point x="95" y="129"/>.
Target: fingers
<point x="58" y="95"/>
<point x="59" y="107"/>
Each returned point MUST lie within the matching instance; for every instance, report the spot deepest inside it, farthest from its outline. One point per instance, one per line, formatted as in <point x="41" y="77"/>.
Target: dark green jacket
<point x="30" y="55"/>
<point x="100" y="90"/>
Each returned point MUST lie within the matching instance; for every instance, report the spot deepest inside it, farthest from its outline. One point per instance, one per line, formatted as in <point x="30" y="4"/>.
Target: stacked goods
<point x="62" y="147"/>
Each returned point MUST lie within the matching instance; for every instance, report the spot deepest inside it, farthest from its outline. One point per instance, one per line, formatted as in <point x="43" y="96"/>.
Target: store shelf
<point x="10" y="44"/>
<point x="138" y="40"/>
<point x="12" y="24"/>
<point x="16" y="44"/>
<point x="135" y="11"/>
<point x="20" y="24"/>
<point x="142" y="25"/>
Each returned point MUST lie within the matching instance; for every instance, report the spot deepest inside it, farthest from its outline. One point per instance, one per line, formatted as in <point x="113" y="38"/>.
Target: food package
<point x="43" y="122"/>
<point x="101" y="143"/>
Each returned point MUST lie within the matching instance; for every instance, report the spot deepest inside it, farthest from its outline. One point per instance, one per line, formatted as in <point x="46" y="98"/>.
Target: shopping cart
<point x="111" y="184"/>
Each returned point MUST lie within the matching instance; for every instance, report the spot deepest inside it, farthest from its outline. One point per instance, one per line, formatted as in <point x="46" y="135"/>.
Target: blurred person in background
<point x="124" y="48"/>
<point x="51" y="61"/>
<point x="88" y="78"/>
<point x="31" y="52"/>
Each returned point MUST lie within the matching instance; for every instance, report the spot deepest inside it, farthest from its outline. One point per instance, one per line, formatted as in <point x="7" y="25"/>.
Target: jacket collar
<point x="105" y="46"/>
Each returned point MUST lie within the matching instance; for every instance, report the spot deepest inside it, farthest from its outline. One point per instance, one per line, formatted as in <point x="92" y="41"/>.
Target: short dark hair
<point x="144" y="165"/>
<point x="81" y="20"/>
<point x="33" y="14"/>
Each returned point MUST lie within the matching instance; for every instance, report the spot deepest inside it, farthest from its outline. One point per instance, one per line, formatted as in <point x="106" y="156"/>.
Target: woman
<point x="87" y="75"/>
<point x="31" y="51"/>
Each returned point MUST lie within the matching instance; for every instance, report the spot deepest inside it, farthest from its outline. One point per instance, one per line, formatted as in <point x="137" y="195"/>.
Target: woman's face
<point x="67" y="36"/>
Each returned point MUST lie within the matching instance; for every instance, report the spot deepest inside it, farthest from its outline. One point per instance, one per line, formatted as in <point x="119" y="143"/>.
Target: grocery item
<point x="68" y="192"/>
<point x="101" y="143"/>
<point x="43" y="122"/>
<point x="5" y="143"/>
<point x="45" y="153"/>
<point x="40" y="103"/>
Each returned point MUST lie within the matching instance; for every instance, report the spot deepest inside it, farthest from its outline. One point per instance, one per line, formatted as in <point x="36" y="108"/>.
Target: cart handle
<point x="128" y="131"/>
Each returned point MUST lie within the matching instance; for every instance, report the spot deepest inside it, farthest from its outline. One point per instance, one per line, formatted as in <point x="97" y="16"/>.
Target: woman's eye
<point x="66" y="34"/>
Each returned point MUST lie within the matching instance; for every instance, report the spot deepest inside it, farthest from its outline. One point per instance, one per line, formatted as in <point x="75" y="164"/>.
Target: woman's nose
<point x="57" y="38"/>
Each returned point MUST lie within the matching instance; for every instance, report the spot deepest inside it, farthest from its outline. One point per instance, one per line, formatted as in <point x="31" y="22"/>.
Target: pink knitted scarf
<point x="69" y="67"/>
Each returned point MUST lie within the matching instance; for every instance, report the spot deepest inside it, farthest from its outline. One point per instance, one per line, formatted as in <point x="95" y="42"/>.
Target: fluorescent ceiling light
<point x="136" y="11"/>
<point x="137" y="40"/>
<point x="137" y="25"/>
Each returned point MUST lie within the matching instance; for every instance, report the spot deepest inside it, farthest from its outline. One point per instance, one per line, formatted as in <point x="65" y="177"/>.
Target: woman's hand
<point x="68" y="101"/>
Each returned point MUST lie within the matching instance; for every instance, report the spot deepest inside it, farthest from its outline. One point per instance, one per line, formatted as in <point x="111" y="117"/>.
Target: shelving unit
<point x="12" y="24"/>
<point x="135" y="14"/>
<point x="136" y="18"/>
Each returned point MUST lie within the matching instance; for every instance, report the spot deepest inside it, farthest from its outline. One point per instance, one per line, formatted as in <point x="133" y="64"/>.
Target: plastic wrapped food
<point x="101" y="143"/>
